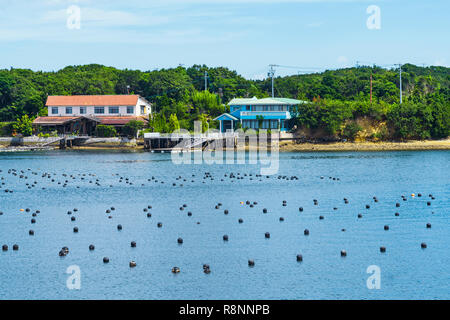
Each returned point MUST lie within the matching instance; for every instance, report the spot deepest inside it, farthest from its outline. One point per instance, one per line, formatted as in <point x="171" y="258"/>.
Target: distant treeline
<point x="338" y="96"/>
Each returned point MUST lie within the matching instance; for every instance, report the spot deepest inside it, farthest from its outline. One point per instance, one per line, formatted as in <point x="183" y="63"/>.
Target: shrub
<point x="6" y="129"/>
<point x="173" y="123"/>
<point x="351" y="130"/>
<point x="24" y="126"/>
<point x="106" y="131"/>
<point x="132" y="127"/>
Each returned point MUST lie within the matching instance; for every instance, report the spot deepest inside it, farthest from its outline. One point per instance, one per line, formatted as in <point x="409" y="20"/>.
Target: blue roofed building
<point x="270" y="113"/>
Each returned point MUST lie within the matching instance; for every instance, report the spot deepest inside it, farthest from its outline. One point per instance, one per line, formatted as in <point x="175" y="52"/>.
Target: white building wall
<point x="90" y="110"/>
<point x="148" y="107"/>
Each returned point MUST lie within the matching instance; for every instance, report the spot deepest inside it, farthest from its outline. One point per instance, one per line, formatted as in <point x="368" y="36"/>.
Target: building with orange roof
<point x="81" y="114"/>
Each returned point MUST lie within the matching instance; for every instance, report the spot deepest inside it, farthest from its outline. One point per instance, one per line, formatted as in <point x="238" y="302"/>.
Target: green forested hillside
<point x="338" y="96"/>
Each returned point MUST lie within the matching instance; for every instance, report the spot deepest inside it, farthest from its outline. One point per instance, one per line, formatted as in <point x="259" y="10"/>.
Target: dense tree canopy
<point x="336" y="96"/>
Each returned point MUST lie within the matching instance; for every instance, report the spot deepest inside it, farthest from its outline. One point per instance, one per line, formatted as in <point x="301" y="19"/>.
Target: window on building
<point x="99" y="110"/>
<point x="68" y="110"/>
<point x="82" y="110"/>
<point x="274" y="124"/>
<point x="54" y="110"/>
<point x="113" y="110"/>
<point x="143" y="110"/>
<point x="130" y="110"/>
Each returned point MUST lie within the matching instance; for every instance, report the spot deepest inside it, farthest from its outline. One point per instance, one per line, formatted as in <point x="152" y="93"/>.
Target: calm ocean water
<point x="36" y="271"/>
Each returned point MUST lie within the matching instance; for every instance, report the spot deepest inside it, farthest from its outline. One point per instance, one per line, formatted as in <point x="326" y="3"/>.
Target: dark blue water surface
<point x="36" y="271"/>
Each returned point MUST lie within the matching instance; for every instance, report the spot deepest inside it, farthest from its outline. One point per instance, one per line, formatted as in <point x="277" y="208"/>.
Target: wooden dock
<point x="186" y="142"/>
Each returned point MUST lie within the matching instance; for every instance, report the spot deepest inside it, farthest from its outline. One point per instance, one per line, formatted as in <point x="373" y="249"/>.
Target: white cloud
<point x="342" y="59"/>
<point x="98" y="17"/>
<point x="440" y="62"/>
<point x="314" y="24"/>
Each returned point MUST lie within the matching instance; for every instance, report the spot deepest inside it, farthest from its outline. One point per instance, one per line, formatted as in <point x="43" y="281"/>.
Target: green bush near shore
<point x="132" y="128"/>
<point x="23" y="125"/>
<point x="104" y="131"/>
<point x="6" y="129"/>
<point x="351" y="130"/>
<point x="418" y="117"/>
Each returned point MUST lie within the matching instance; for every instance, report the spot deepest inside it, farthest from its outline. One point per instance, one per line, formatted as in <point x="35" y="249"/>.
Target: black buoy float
<point x="306" y="232"/>
<point x="264" y="210"/>
<point x="299" y="258"/>
<point x="423" y="245"/>
<point x="206" y="269"/>
<point x="133" y="264"/>
<point x="175" y="270"/>
<point x="428" y="225"/>
<point x="180" y="240"/>
<point x="91" y="247"/>
<point x="75" y="229"/>
<point x="31" y="233"/>
<point x="105" y="260"/>
<point x="4" y="247"/>
<point x="267" y="235"/>
<point x="16" y="247"/>
<point x="251" y="263"/>
<point x="386" y="227"/>
<point x="119" y="227"/>
<point x="133" y="244"/>
<point x="225" y="237"/>
<point x="240" y="220"/>
<point x="343" y="253"/>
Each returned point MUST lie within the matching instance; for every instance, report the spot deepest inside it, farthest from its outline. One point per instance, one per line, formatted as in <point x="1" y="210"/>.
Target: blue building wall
<point x="276" y="113"/>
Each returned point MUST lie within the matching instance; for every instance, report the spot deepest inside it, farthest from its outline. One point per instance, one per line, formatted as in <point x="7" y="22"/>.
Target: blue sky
<point x="245" y="35"/>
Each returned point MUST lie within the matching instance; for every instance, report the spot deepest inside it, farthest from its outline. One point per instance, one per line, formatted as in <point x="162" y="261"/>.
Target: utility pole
<point x="400" y="67"/>
<point x="206" y="80"/>
<point x="271" y="74"/>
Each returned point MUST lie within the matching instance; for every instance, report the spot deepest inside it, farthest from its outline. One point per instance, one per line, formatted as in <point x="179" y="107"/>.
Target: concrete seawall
<point x="40" y="143"/>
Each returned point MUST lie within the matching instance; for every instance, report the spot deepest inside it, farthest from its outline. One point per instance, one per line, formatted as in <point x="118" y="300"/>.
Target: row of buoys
<point x="15" y="247"/>
<point x="225" y="237"/>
